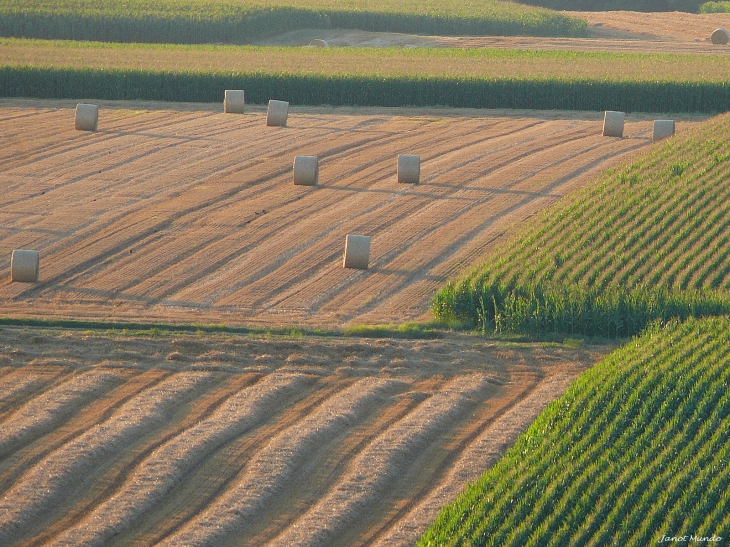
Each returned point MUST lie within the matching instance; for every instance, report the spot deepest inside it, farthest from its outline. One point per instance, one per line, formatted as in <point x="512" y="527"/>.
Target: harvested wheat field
<point x="218" y="440"/>
<point x="181" y="213"/>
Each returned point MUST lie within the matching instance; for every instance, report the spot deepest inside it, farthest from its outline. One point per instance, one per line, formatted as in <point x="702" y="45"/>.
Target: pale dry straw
<point x="234" y="101"/>
<point x="25" y="266"/>
<point x="720" y="36"/>
<point x="167" y="465"/>
<point x="277" y="113"/>
<point x="51" y="406"/>
<point x="275" y="465"/>
<point x="44" y="486"/>
<point x="306" y="170"/>
<point x="379" y="464"/>
<point x="357" y="252"/>
<point x="87" y="117"/>
<point x="613" y="123"/>
<point x="663" y="129"/>
<point x="409" y="168"/>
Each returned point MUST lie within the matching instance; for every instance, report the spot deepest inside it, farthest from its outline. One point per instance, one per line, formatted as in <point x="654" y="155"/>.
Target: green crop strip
<point x="646" y="242"/>
<point x="222" y="21"/>
<point x="344" y="90"/>
<point x="634" y="450"/>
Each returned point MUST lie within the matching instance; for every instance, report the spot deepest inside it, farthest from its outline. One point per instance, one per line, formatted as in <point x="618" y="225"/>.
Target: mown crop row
<point x="195" y="21"/>
<point x="634" y="451"/>
<point x="355" y="90"/>
<point x="647" y="241"/>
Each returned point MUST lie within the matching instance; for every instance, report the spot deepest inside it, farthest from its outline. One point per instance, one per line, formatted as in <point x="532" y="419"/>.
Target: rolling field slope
<point x="115" y="440"/>
<point x="192" y="215"/>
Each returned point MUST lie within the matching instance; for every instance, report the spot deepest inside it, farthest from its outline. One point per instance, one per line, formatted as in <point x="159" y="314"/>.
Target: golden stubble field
<point x="191" y="215"/>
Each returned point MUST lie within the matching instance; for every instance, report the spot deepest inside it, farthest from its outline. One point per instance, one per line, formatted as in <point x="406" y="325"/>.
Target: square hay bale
<point x="87" y="117"/>
<point x="357" y="252"/>
<point x="663" y="129"/>
<point x="613" y="124"/>
<point x="720" y="36"/>
<point x="277" y="113"/>
<point x="409" y="168"/>
<point x="24" y="266"/>
<point x="234" y="101"/>
<point x="306" y="170"/>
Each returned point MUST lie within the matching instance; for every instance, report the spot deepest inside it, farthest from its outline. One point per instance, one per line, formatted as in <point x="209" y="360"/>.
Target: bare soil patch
<point x="615" y="31"/>
<point x="264" y="441"/>
<point x="191" y="215"/>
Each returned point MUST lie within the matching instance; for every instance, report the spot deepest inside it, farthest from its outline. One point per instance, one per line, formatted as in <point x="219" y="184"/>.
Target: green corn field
<point x="224" y="21"/>
<point x="637" y="449"/>
<point x="647" y="241"/>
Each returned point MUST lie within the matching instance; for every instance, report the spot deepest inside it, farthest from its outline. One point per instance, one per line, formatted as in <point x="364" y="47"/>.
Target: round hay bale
<point x="306" y="170"/>
<point x="318" y="42"/>
<point x="234" y="101"/>
<point x="87" y="117"/>
<point x="663" y="129"/>
<point x="613" y="124"/>
<point x="24" y="266"/>
<point x="357" y="252"/>
<point x="277" y="113"/>
<point x="720" y="36"/>
<point x="409" y="168"/>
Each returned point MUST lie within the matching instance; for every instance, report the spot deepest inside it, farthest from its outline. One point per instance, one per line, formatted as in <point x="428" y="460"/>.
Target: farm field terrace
<point x="424" y="63"/>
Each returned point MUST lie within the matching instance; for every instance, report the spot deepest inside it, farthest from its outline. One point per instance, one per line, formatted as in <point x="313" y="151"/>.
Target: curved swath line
<point x="50" y="407"/>
<point x="324" y="295"/>
<point x="12" y="385"/>
<point x="167" y="465"/>
<point x="294" y="222"/>
<point x="280" y="205"/>
<point x="41" y="488"/>
<point x="273" y="466"/>
<point x="378" y="464"/>
<point x="476" y="458"/>
<point x="68" y="146"/>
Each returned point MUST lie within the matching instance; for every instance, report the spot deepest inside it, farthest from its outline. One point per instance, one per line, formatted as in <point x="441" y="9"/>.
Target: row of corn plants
<point x="365" y="90"/>
<point x="633" y="452"/>
<point x="646" y="241"/>
<point x="198" y="21"/>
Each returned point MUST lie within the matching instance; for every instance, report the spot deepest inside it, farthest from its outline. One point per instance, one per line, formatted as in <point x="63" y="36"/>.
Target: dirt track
<point x="191" y="215"/>
<point x="229" y="440"/>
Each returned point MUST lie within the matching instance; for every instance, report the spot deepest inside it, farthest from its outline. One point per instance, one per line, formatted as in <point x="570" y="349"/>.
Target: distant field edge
<point x="251" y="24"/>
<point x="358" y="90"/>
